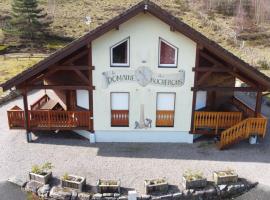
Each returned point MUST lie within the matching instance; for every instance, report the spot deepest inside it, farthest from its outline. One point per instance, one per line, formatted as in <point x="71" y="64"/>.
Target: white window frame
<point x="175" y="56"/>
<point x="111" y="54"/>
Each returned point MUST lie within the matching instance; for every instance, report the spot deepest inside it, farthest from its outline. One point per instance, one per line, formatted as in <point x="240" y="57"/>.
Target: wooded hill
<point x="241" y="26"/>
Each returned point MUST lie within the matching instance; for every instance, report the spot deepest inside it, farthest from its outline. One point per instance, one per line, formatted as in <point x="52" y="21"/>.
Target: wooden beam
<point x="62" y="87"/>
<point x="90" y="93"/>
<point x="82" y="76"/>
<point x="71" y="67"/>
<point x="213" y="60"/>
<point x="258" y="104"/>
<point x="76" y="57"/>
<point x="214" y="88"/>
<point x="212" y="69"/>
<point x="204" y="77"/>
<point x="194" y="98"/>
<point x="26" y="114"/>
<point x="243" y="79"/>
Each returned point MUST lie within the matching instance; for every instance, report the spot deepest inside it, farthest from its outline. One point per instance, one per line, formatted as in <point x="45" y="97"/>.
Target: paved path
<point x="132" y="163"/>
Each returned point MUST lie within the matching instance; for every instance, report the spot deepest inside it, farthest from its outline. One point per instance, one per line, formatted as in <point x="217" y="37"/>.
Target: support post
<point x="90" y="92"/>
<point x="195" y="91"/>
<point x="26" y="115"/>
<point x="258" y="104"/>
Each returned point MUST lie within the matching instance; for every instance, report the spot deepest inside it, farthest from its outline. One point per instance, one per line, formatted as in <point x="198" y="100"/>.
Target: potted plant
<point x="41" y="174"/>
<point x="73" y="181"/>
<point x="194" y="179"/>
<point x="156" y="185"/>
<point x="108" y="186"/>
<point x="224" y="177"/>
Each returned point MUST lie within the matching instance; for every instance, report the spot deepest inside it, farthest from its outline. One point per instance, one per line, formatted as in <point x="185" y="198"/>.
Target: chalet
<point x="143" y="76"/>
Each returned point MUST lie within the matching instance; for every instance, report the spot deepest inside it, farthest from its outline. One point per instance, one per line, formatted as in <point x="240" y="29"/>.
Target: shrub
<point x="37" y="169"/>
<point x="263" y="64"/>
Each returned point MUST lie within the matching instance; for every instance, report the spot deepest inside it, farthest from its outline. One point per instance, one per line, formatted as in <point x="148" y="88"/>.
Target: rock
<point x="145" y="197"/>
<point x="17" y="181"/>
<point x="60" y="193"/>
<point x="84" y="196"/>
<point x="177" y="196"/>
<point x="32" y="186"/>
<point x="166" y="197"/>
<point x="156" y="198"/>
<point x="107" y="194"/>
<point x="74" y="195"/>
<point x="44" y="191"/>
<point x="97" y="196"/>
<point x="116" y="195"/>
<point x="123" y="198"/>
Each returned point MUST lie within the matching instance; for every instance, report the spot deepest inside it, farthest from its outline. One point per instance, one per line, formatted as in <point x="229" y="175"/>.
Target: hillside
<point x="252" y="45"/>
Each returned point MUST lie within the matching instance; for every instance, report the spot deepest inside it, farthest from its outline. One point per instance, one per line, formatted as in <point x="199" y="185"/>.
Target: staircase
<point x="231" y="126"/>
<point x="243" y="130"/>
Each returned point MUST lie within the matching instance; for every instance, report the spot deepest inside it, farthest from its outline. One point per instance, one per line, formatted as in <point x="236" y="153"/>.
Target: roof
<point x="155" y="10"/>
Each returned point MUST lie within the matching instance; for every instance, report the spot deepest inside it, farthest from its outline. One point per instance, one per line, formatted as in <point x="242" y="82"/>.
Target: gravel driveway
<point x="132" y="163"/>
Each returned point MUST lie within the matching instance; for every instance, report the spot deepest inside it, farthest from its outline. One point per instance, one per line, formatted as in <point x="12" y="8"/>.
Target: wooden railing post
<point x="26" y="114"/>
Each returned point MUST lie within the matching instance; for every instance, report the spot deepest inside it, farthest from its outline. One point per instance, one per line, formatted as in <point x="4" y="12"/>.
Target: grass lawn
<point x="12" y="66"/>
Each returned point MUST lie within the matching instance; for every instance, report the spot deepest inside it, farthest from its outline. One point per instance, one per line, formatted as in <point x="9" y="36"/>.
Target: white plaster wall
<point x="144" y="31"/>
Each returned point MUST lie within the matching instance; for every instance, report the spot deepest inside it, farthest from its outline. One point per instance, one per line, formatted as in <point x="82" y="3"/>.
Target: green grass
<point x="11" y="66"/>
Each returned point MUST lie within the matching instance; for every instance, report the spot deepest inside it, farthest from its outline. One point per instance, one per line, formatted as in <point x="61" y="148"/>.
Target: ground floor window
<point x="165" y="110"/>
<point x="120" y="109"/>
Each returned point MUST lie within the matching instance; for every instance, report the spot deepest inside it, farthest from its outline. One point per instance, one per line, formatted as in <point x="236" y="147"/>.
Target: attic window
<point x="120" y="54"/>
<point x="167" y="54"/>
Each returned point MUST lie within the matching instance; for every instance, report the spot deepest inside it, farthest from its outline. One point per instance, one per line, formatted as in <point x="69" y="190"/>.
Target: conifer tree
<point x="28" y="20"/>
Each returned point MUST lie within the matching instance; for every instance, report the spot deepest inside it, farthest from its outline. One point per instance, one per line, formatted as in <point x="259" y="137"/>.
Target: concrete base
<point x="137" y="136"/>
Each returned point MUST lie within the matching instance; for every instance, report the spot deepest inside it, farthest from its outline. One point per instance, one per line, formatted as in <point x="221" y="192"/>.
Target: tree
<point x="28" y="20"/>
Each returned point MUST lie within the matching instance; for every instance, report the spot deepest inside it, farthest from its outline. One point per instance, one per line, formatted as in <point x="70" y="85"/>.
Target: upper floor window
<point x="167" y="54"/>
<point x="120" y="54"/>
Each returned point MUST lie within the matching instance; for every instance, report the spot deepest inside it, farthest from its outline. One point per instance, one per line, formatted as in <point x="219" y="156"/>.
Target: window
<point x="82" y="98"/>
<point x="201" y="100"/>
<point x="167" y="54"/>
<point x="165" y="110"/>
<point x="120" y="109"/>
<point x="120" y="54"/>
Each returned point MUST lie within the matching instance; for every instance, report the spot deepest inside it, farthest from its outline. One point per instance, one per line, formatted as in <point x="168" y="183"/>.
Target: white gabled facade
<point x="143" y="32"/>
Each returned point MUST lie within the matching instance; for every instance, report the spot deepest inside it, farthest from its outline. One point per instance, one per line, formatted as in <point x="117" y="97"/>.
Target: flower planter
<point x="156" y="185"/>
<point x="108" y="186"/>
<point x="43" y="178"/>
<point x="74" y="182"/>
<point x="224" y="177"/>
<point x="195" y="183"/>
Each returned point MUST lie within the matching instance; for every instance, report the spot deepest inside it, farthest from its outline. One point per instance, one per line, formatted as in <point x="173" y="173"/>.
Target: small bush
<point x="37" y="169"/>
<point x="263" y="64"/>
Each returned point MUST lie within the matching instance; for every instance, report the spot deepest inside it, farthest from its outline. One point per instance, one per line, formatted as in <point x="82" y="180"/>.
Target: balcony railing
<point x="50" y="119"/>
<point x="215" y="120"/>
<point x="165" y="118"/>
<point x="120" y="118"/>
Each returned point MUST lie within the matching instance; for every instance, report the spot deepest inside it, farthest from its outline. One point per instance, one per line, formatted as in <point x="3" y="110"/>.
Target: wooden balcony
<point x="50" y="120"/>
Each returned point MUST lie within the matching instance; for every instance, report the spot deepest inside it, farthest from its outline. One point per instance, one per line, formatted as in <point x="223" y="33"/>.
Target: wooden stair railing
<point x="40" y="102"/>
<point x="215" y="120"/>
<point x="243" y="130"/>
<point x="247" y="110"/>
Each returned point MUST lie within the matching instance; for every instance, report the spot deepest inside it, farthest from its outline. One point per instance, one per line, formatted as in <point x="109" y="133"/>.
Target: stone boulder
<point x="84" y="196"/>
<point x="44" y="191"/>
<point x="32" y="186"/>
<point x="60" y="193"/>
